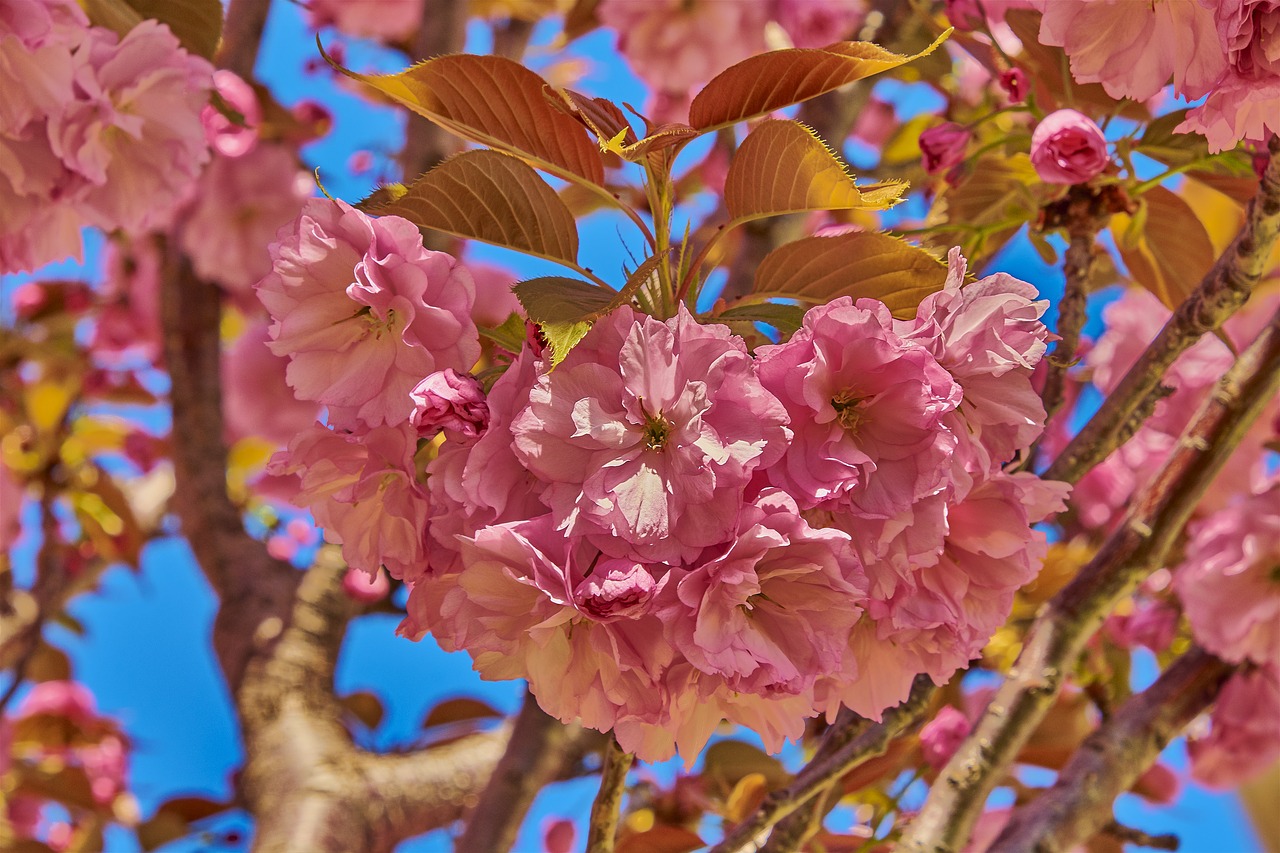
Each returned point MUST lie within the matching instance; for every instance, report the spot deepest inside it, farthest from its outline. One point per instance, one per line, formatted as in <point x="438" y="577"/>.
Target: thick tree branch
<point x="539" y="750"/>
<point x="320" y="791"/>
<point x="1059" y="633"/>
<point x="1112" y="758"/>
<point x="242" y="35"/>
<point x="820" y="773"/>
<point x="443" y="30"/>
<point x="1226" y="287"/>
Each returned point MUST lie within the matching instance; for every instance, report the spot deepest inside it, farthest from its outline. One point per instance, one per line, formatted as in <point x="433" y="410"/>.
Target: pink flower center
<point x="656" y="431"/>
<point x="849" y="408"/>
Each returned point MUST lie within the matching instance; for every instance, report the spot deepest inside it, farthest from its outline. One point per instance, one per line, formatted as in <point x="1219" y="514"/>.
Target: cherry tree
<point x="801" y="463"/>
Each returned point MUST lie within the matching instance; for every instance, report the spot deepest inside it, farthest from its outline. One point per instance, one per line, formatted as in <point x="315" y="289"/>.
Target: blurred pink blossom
<point x="1229" y="584"/>
<point x="239" y="206"/>
<point x="1133" y="49"/>
<point x="943" y="146"/>
<point x="388" y="20"/>
<point x="256" y="400"/>
<point x="942" y="736"/>
<point x="818" y="23"/>
<point x="1245" y="736"/>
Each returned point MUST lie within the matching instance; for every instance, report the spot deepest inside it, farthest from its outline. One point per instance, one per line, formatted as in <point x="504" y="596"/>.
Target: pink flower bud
<point x="1068" y="148"/>
<point x="616" y="589"/>
<point x="227" y="137"/>
<point x="943" y="146"/>
<point x="449" y="400"/>
<point x="942" y="736"/>
<point x="559" y="836"/>
<point x="366" y="588"/>
<point x="1015" y="84"/>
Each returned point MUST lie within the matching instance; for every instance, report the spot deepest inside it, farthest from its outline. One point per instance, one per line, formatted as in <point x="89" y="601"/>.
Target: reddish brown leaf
<point x="462" y="709"/>
<point x="782" y="167"/>
<point x="859" y="264"/>
<point x="496" y="102"/>
<point x="493" y="197"/>
<point x="777" y="79"/>
<point x="662" y="838"/>
<point x="1172" y="250"/>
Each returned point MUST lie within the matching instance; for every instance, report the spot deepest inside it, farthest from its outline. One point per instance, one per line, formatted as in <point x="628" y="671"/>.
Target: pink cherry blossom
<point x="514" y="610"/>
<point x="1067" y="147"/>
<point x="228" y="137"/>
<point x="942" y="736"/>
<point x="133" y="133"/>
<point x="1015" y="84"/>
<point x="256" y="400"/>
<point x="39" y="222"/>
<point x="866" y="407"/>
<point x="37" y="38"/>
<point x="648" y="433"/>
<point x="818" y="23"/>
<point x="1133" y="49"/>
<point x="770" y="612"/>
<point x="240" y="204"/>
<point x="362" y="490"/>
<point x="678" y="45"/>
<point x="363" y="312"/>
<point x="474" y="484"/>
<point x="988" y="334"/>
<point x="943" y="146"/>
<point x="388" y="20"/>
<point x="451" y="401"/>
<point x="1246" y="102"/>
<point x="69" y="699"/>
<point x="495" y="300"/>
<point x="1229" y="584"/>
<point x="1245" y="736"/>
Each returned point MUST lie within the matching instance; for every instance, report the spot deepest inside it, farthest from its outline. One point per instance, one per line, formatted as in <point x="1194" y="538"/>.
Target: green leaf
<point x="555" y="299"/>
<point x="510" y="335"/>
<point x="780" y="315"/>
<point x="858" y="264"/>
<point x="563" y="337"/>
<point x="492" y="197"/>
<point x="495" y="102"/>
<point x="782" y="167"/>
<point x="771" y="81"/>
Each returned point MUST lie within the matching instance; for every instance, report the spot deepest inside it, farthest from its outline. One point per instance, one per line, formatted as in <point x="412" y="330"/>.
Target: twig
<point x="1111" y="759"/>
<point x="1130" y="835"/>
<point x="535" y="755"/>
<point x="1058" y="635"/>
<point x="818" y="775"/>
<point x="796" y="828"/>
<point x="604" y="811"/>
<point x="1224" y="289"/>
<point x="1083" y="222"/>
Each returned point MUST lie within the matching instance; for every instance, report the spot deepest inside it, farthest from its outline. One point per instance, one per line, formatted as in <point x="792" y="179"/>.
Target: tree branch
<point x="603" y="829"/>
<point x="1059" y="633"/>
<point x="1224" y="289"/>
<point x="820" y="773"/>
<point x="1111" y="759"/>
<point x="242" y="35"/>
<point x="539" y="749"/>
<point x="443" y="30"/>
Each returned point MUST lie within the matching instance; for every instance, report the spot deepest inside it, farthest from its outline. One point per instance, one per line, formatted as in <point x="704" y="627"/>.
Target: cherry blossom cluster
<point x="95" y="129"/>
<point x="1224" y="49"/>
<point x="665" y="529"/>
